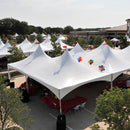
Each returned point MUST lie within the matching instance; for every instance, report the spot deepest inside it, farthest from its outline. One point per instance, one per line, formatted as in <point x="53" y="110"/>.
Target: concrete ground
<point x="45" y="117"/>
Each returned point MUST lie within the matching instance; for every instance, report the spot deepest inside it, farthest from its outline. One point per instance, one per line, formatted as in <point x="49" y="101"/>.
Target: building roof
<point x="118" y="28"/>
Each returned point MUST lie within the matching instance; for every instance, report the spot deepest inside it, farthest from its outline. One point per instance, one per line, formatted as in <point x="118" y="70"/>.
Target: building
<point x="116" y="31"/>
<point x="128" y="27"/>
<point x="108" y="32"/>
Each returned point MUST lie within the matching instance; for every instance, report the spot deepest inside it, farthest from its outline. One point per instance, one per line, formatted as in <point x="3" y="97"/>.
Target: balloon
<point x="80" y="59"/>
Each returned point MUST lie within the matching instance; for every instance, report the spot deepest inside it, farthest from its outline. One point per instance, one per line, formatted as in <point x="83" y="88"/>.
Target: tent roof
<point x="114" y="39"/>
<point x="43" y="35"/>
<point x="63" y="45"/>
<point x="1" y="44"/>
<point x="25" y="45"/>
<point x="47" y="44"/>
<point x="4" y="50"/>
<point x="64" y="73"/>
<point x="16" y="34"/>
<point x="61" y="37"/>
<point x="34" y="34"/>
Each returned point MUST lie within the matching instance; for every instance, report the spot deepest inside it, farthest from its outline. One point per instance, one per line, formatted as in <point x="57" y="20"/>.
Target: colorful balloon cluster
<point x="80" y="59"/>
<point x="91" y="62"/>
<point x="101" y="68"/>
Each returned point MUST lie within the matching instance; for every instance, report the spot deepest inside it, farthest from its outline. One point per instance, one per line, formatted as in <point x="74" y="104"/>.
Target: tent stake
<point x="111" y="81"/>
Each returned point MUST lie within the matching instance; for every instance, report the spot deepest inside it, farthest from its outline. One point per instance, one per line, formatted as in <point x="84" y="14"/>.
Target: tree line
<point x="10" y="26"/>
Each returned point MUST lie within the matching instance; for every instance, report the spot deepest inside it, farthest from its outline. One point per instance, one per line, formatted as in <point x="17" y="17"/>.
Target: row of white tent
<point x="28" y="47"/>
<point x="72" y="69"/>
<point x="61" y="37"/>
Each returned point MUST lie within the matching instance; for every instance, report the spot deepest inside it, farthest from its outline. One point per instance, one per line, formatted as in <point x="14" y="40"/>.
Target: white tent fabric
<point x="4" y="50"/>
<point x="46" y="44"/>
<point x="43" y="35"/>
<point x="64" y="73"/>
<point x="1" y="44"/>
<point x="114" y="39"/>
<point x="33" y="34"/>
<point x="61" y="37"/>
<point x="63" y="45"/>
<point x="77" y="49"/>
<point x="25" y="45"/>
<point x="16" y="35"/>
<point x="34" y="46"/>
<point x="48" y="36"/>
<point x="7" y="44"/>
<point x="127" y="37"/>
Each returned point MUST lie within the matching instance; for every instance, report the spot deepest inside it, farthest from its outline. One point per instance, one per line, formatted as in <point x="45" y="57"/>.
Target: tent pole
<point x="60" y="103"/>
<point x="9" y="76"/>
<point x="111" y="81"/>
<point x="27" y="83"/>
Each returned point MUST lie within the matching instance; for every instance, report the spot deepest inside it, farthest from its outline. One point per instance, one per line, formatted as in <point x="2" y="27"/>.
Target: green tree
<point x="57" y="50"/>
<point x="11" y="107"/>
<point x="97" y="41"/>
<point x="39" y="38"/>
<point x="16" y="54"/>
<point x="19" y="39"/>
<point x="113" y="107"/>
<point x="67" y="29"/>
<point x="83" y="42"/>
<point x="70" y="40"/>
<point x="123" y="42"/>
<point x="53" y="37"/>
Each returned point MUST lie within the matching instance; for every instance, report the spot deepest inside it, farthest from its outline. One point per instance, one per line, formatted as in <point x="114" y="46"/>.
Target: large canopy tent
<point x="33" y="34"/>
<point x="5" y="49"/>
<point x="61" y="37"/>
<point x="114" y="39"/>
<point x="63" y="45"/>
<point x="47" y="44"/>
<point x="16" y="35"/>
<point x="25" y="45"/>
<point x="1" y="44"/>
<point x="43" y="35"/>
<point x="65" y="73"/>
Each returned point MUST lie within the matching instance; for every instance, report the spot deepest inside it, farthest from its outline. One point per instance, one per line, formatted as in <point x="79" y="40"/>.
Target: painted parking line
<point x="56" y="119"/>
<point x="88" y="111"/>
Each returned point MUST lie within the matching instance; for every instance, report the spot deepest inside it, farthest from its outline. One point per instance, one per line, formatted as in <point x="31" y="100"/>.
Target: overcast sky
<point x="60" y="13"/>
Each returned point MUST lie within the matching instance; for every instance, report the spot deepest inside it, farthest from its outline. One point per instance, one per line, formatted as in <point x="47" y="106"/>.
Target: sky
<point x="61" y="13"/>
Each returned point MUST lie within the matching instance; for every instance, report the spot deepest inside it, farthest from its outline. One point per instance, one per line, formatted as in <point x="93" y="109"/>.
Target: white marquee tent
<point x="47" y="44"/>
<point x="61" y="37"/>
<point x="65" y="73"/>
<point x="63" y="45"/>
<point x="43" y="35"/>
<point x="1" y="44"/>
<point x="25" y="45"/>
<point x="16" y="35"/>
<point x="33" y="34"/>
<point x="4" y="50"/>
<point x="114" y="39"/>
